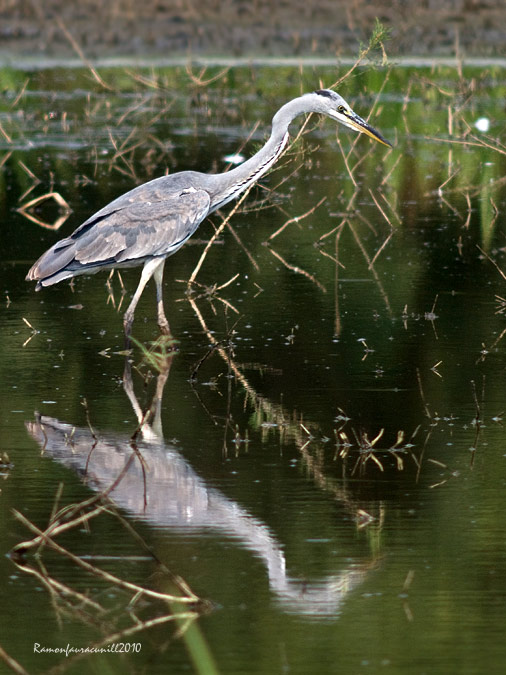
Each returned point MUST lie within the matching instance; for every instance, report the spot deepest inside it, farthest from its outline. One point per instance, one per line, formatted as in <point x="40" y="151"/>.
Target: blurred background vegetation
<point x="328" y="28"/>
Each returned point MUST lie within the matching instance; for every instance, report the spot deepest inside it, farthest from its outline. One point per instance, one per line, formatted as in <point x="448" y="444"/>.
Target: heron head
<point x="331" y="104"/>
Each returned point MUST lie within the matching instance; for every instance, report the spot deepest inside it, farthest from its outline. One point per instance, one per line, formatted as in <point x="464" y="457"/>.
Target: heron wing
<point x="141" y="230"/>
<point x="133" y="231"/>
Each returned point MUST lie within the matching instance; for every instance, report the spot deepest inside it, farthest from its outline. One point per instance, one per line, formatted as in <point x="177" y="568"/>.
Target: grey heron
<point x="152" y="221"/>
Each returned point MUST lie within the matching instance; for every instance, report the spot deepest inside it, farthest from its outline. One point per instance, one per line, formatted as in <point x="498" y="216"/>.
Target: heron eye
<point x="341" y="109"/>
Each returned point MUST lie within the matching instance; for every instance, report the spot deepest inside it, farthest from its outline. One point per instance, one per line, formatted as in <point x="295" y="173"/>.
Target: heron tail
<point x="53" y="265"/>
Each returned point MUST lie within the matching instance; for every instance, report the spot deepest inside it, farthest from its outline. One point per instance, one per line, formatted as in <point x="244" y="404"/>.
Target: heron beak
<point x="361" y="125"/>
<point x="354" y="121"/>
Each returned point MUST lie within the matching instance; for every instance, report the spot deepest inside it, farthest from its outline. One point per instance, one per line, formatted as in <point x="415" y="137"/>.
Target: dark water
<point x="331" y="479"/>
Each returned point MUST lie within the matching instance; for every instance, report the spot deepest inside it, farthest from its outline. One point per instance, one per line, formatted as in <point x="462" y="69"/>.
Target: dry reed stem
<point x="56" y="501"/>
<point x="5" y="158"/>
<point x="210" y="292"/>
<point x="244" y="248"/>
<point x="228" y="304"/>
<point x="46" y="537"/>
<point x="216" y="234"/>
<point x="62" y="203"/>
<point x="363" y="155"/>
<point x="345" y="158"/>
<point x="337" y="314"/>
<point x="422" y="395"/>
<point x="36" y="181"/>
<point x="197" y="79"/>
<point x="285" y="179"/>
<point x="216" y="344"/>
<point x="5" y="135"/>
<point x="380" y="250"/>
<point x="469" y="211"/>
<point x="371" y="268"/>
<point x="476" y="142"/>
<point x="56" y="587"/>
<point x="492" y="261"/>
<point x="347" y="211"/>
<point x="298" y="270"/>
<point x="452" y="175"/>
<point x="398" y="218"/>
<point x="486" y="350"/>
<point x="80" y="53"/>
<point x="385" y="178"/>
<point x="384" y="244"/>
<point x="227" y="283"/>
<point x="331" y="257"/>
<point x="34" y="331"/>
<point x="159" y="115"/>
<point x="11" y="663"/>
<point x="380" y="209"/>
<point x="297" y="219"/>
<point x="473" y="189"/>
<point x="120" y="154"/>
<point x="141" y="79"/>
<point x="54" y="528"/>
<point x="131" y="109"/>
<point x="20" y="94"/>
<point x="362" y="55"/>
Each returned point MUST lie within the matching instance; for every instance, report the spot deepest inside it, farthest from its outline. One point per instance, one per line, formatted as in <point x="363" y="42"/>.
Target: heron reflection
<point x="160" y="486"/>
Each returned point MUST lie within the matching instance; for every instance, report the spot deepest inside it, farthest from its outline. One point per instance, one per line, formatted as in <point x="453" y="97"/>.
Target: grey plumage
<point x="125" y="234"/>
<point x="152" y="221"/>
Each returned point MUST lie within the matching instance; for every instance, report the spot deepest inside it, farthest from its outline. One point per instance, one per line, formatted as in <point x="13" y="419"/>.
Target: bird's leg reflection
<point x="149" y="420"/>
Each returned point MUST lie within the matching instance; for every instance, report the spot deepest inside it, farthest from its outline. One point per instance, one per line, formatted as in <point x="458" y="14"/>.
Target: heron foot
<point x="163" y="325"/>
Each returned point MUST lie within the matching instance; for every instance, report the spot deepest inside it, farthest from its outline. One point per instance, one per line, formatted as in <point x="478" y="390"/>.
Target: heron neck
<point x="237" y="180"/>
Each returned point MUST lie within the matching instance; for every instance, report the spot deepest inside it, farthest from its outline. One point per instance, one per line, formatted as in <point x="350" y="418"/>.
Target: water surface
<point x="325" y="463"/>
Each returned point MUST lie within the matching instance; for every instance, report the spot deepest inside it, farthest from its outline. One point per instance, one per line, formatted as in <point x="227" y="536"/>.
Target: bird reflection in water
<point x="160" y="486"/>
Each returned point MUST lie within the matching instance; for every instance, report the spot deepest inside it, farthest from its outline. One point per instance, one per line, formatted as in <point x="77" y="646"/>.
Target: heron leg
<point x="162" y="319"/>
<point x="148" y="270"/>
